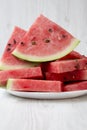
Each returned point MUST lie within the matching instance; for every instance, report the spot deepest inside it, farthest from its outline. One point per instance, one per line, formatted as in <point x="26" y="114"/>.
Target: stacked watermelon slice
<point x="42" y="59"/>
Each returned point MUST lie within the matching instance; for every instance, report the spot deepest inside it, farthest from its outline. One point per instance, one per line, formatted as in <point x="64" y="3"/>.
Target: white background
<point x="27" y="114"/>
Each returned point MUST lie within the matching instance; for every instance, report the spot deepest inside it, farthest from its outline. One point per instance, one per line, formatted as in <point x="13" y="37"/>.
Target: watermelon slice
<point x="72" y="55"/>
<point x="34" y="85"/>
<point x="64" y="65"/>
<point x="45" y="41"/>
<point x="8" y="61"/>
<point x="77" y="75"/>
<point x="76" y="86"/>
<point x="33" y="72"/>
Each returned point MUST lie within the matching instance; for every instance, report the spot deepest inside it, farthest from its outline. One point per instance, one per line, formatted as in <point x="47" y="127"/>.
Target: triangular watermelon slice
<point x="45" y="41"/>
<point x="8" y="61"/>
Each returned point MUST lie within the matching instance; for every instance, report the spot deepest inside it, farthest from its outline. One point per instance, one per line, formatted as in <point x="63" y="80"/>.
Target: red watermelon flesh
<point x="45" y="41"/>
<point x="33" y="72"/>
<point x="34" y="85"/>
<point x="75" y="86"/>
<point x="8" y="61"/>
<point x="65" y="65"/>
<point x="77" y="75"/>
<point x="72" y="55"/>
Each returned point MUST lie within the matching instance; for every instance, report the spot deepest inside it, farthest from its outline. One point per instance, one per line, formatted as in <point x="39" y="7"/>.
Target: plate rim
<point x="48" y="95"/>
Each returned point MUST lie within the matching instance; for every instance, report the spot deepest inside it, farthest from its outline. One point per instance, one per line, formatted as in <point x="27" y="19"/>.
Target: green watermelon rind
<point x="9" y="83"/>
<point x="73" y="44"/>
<point x="4" y="66"/>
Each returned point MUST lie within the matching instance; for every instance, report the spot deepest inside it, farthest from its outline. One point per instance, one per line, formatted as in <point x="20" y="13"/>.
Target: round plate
<point x="46" y="95"/>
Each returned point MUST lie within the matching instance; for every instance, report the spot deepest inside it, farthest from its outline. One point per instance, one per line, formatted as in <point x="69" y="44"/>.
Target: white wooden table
<point x="28" y="114"/>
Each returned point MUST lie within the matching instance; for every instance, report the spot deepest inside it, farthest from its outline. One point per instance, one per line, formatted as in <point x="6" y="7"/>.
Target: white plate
<point x="44" y="95"/>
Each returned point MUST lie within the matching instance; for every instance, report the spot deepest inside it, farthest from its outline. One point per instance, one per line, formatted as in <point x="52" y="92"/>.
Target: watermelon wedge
<point x="45" y="41"/>
<point x="62" y="66"/>
<point x="72" y="55"/>
<point x="34" y="85"/>
<point x="75" y="86"/>
<point x="8" y="61"/>
<point x="33" y="72"/>
<point x="77" y="75"/>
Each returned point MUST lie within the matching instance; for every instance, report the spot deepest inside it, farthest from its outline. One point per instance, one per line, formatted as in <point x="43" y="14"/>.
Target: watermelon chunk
<point x="34" y="85"/>
<point x="45" y="41"/>
<point x="33" y="72"/>
<point x="72" y="55"/>
<point x="8" y="61"/>
<point x="65" y="65"/>
<point x="76" y="86"/>
<point x="77" y="75"/>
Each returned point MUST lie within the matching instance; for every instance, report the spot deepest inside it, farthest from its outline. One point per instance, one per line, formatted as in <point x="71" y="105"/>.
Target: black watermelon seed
<point x="63" y="35"/>
<point x="50" y="30"/>
<point x="77" y="66"/>
<point x="22" y="43"/>
<point x="8" y="49"/>
<point x="9" y="44"/>
<point x="33" y="43"/>
<point x="14" y="41"/>
<point x="47" y="40"/>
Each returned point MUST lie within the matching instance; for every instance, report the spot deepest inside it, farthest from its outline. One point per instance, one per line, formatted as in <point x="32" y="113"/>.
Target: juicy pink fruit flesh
<point x="77" y="75"/>
<point x="8" y="61"/>
<point x="33" y="72"/>
<point x="72" y="55"/>
<point x="43" y="40"/>
<point x="76" y="86"/>
<point x="34" y="85"/>
<point x="65" y="65"/>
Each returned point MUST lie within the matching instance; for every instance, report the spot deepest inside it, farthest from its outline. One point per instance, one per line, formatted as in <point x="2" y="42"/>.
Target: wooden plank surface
<point x="21" y="114"/>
